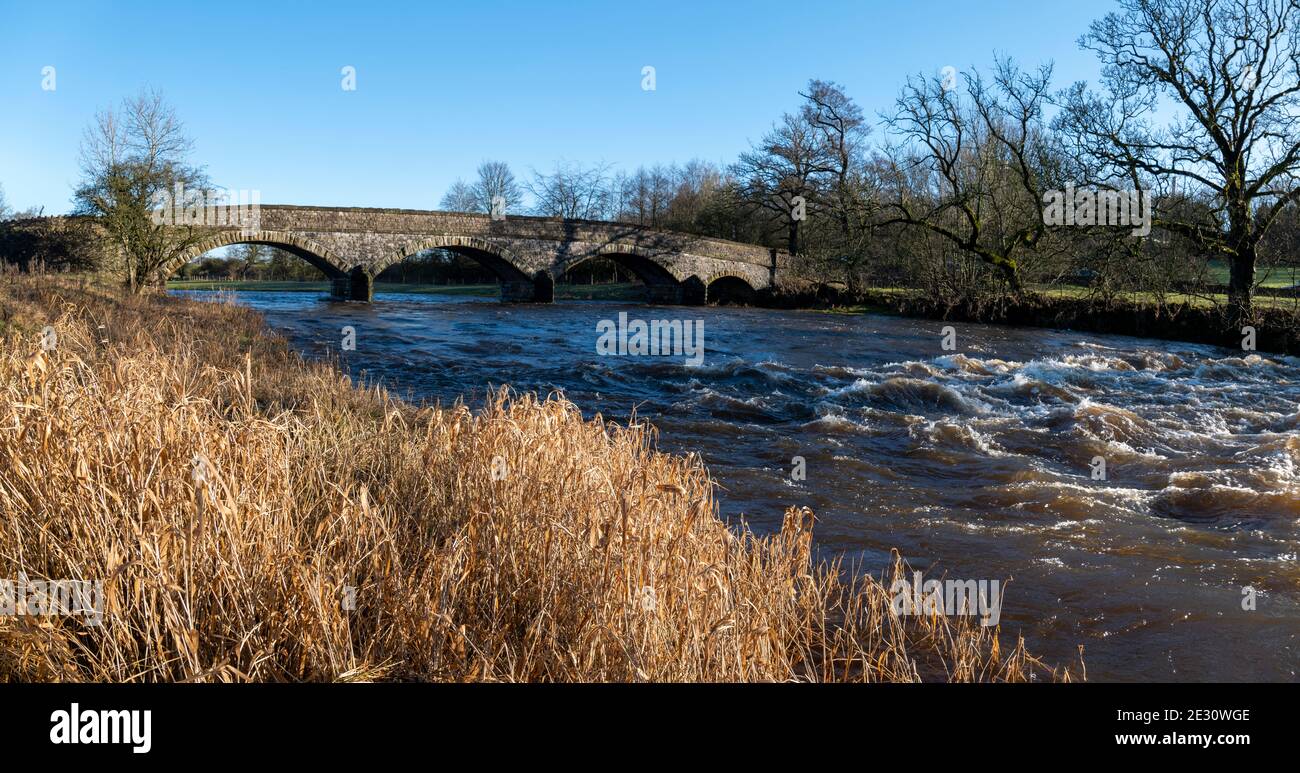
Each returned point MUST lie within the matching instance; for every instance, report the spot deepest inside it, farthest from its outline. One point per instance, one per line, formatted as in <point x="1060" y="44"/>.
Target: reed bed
<point x="257" y="517"/>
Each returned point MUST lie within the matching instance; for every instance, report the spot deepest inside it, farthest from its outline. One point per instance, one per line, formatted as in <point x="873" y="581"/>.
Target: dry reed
<point x="230" y="494"/>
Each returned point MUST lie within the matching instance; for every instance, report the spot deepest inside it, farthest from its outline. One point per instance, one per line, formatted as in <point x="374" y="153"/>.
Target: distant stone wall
<point x="60" y="243"/>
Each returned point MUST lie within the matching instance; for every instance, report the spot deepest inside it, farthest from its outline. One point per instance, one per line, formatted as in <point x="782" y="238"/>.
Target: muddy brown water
<point x="976" y="463"/>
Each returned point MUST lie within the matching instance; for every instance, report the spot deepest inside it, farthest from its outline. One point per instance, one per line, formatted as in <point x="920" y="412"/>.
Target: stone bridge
<point x="352" y="246"/>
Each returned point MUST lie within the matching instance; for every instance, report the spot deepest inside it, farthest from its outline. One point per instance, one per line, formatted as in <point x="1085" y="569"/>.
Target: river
<point x="975" y="463"/>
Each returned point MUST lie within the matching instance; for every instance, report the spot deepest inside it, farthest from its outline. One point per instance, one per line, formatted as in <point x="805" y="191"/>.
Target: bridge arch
<point x="725" y="288"/>
<point x="517" y="282"/>
<point x="661" y="277"/>
<point x="661" y="280"/>
<point x="328" y="263"/>
<point x="494" y="257"/>
<point x="650" y="267"/>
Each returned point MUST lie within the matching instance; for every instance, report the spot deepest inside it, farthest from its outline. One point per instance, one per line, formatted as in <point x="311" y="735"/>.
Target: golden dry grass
<point x="227" y="493"/>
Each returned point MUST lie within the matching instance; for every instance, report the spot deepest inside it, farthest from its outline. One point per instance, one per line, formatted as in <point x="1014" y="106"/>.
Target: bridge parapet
<point x="411" y="222"/>
<point x="353" y="245"/>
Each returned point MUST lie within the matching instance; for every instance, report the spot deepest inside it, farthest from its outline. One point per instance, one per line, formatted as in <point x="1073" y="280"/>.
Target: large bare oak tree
<point x="1200" y="96"/>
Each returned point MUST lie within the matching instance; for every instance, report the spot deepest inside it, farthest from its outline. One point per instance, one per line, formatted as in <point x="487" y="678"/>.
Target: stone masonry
<point x="352" y="246"/>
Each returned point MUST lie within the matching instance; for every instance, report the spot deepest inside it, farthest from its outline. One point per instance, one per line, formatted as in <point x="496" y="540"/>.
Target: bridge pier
<point x="664" y="294"/>
<point x="689" y="293"/>
<point x="540" y="289"/>
<point x="694" y="292"/>
<point x="355" y="285"/>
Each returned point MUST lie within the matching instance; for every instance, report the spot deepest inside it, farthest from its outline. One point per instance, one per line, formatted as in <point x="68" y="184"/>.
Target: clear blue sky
<point x="442" y="86"/>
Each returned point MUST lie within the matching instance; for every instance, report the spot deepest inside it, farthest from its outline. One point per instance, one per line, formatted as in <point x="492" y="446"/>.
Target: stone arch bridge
<point x="352" y="246"/>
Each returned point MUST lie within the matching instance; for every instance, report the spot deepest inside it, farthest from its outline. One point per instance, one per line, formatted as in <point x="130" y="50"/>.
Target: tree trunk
<point x="792" y="241"/>
<point x="1012" y="274"/>
<point x="1241" y="284"/>
<point x="1241" y="265"/>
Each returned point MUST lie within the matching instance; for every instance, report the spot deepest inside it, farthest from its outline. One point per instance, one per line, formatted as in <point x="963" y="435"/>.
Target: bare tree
<point x="719" y="209"/>
<point x="131" y="160"/>
<point x="781" y="174"/>
<point x="249" y="259"/>
<point x="572" y="191"/>
<point x="496" y="180"/>
<point x="848" y="194"/>
<point x="5" y="211"/>
<point x="1230" y="70"/>
<point x="645" y="195"/>
<point x="969" y="170"/>
<point x="842" y="131"/>
<point x="460" y="197"/>
<point x="696" y="188"/>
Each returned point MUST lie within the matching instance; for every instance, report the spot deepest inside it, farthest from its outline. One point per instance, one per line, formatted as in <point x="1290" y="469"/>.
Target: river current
<point x="979" y="462"/>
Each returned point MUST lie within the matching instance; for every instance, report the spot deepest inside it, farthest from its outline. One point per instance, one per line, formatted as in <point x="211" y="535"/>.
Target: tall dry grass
<point x="229" y="493"/>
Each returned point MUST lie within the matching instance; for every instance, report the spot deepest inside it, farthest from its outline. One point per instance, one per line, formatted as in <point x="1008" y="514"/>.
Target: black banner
<point x="233" y="723"/>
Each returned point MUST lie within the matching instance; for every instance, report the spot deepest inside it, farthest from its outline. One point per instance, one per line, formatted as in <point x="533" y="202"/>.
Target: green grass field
<point x="276" y="287"/>
<point x="1219" y="299"/>
<point x="1270" y="276"/>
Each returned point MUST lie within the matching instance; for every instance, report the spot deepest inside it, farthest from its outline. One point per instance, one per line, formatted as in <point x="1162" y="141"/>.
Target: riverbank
<point x="254" y="516"/>
<point x="1183" y="317"/>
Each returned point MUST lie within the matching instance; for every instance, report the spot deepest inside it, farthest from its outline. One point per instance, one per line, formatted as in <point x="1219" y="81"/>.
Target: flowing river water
<point x="975" y="463"/>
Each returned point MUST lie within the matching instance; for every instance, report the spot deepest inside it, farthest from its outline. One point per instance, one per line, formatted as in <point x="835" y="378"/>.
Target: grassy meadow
<point x="1265" y="276"/>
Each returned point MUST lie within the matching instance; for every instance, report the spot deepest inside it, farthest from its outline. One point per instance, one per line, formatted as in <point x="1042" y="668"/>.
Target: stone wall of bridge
<point x="353" y="246"/>
<point x="528" y="254"/>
